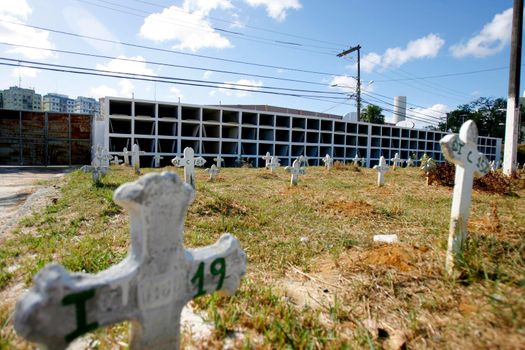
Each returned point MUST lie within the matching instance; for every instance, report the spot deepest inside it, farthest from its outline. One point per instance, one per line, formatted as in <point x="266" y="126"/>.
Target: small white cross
<point x="328" y="162"/>
<point x="157" y="159"/>
<point x="382" y="168"/>
<point x="427" y="164"/>
<point x="135" y="158"/>
<point x="273" y="164"/>
<point x="116" y="160"/>
<point x="151" y="286"/>
<point x="295" y="170"/>
<point x="188" y="162"/>
<point x="219" y="160"/>
<point x="492" y="166"/>
<point x="126" y="155"/>
<point x="213" y="171"/>
<point x="395" y="161"/>
<point x="356" y="159"/>
<point x="303" y="161"/>
<point x="410" y="162"/>
<point x="462" y="150"/>
<point x="267" y="158"/>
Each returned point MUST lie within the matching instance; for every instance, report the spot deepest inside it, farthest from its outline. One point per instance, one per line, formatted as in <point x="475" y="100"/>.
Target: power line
<point x="410" y="104"/>
<point x="446" y="74"/>
<point x="433" y="123"/>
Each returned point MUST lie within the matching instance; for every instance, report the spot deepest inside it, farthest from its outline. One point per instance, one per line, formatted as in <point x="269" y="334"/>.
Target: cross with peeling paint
<point x="462" y="150"/>
<point x="188" y="162"/>
<point x="267" y="158"/>
<point x="395" y="161"/>
<point x="427" y="164"/>
<point x="273" y="164"/>
<point x="328" y="162"/>
<point x="100" y="163"/>
<point x="295" y="170"/>
<point x="382" y="168"/>
<point x="151" y="286"/>
<point x="116" y="161"/>
<point x="219" y="160"/>
<point x="135" y="157"/>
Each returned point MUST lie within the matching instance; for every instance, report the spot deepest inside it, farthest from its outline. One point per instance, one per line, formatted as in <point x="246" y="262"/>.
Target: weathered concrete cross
<point x="188" y="162"/>
<point x="100" y="163"/>
<point x="410" y="162"/>
<point x="295" y="170"/>
<point x="135" y="157"/>
<point x="157" y="159"/>
<point x="219" y="160"/>
<point x="328" y="162"/>
<point x="273" y="164"/>
<point x="267" y="158"/>
<point x="150" y="287"/>
<point x="115" y="161"/>
<point x="126" y="155"/>
<point x="213" y="171"/>
<point x="356" y="159"/>
<point x="427" y="164"/>
<point x="303" y="161"/>
<point x="382" y="168"/>
<point x="395" y="161"/>
<point x="462" y="150"/>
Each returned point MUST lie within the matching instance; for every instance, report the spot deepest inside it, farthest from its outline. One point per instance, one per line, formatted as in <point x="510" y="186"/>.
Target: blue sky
<point x="404" y="44"/>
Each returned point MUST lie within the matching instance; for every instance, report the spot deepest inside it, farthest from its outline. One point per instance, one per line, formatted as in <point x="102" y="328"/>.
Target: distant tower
<point x="400" y="108"/>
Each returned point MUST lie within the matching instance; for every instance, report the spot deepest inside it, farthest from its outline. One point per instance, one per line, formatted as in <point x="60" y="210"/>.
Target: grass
<point x="315" y="279"/>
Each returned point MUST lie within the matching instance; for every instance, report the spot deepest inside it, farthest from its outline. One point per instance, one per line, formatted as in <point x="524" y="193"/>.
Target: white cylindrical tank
<point x="400" y="108"/>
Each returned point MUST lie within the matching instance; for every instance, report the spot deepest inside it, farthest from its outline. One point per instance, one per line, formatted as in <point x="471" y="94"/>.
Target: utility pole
<point x="358" y="88"/>
<point x="512" y="121"/>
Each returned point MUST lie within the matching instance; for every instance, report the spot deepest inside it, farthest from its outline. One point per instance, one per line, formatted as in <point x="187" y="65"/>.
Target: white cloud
<point x="348" y="84"/>
<point x="490" y="40"/>
<point x="24" y="72"/>
<point x="176" y="93"/>
<point x="425" y="47"/>
<point x="137" y="65"/>
<point x="186" y="25"/>
<point x="124" y="89"/>
<point x="19" y="11"/>
<point x="207" y="74"/>
<point x="276" y="8"/>
<point x="250" y="85"/>
<point x="434" y="113"/>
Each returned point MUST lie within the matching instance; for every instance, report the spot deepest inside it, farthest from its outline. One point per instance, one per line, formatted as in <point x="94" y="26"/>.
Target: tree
<point x="373" y="114"/>
<point x="488" y="113"/>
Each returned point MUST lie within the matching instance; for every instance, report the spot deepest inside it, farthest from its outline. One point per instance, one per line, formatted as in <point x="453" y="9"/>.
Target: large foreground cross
<point x="188" y="162"/>
<point x="151" y="286"/>
<point x="462" y="150"/>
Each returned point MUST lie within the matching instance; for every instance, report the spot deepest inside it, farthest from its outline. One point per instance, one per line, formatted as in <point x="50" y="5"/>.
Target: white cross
<point x="188" y="162"/>
<point x="363" y="162"/>
<point x="213" y="171"/>
<point x="135" y="158"/>
<point x="356" y="159"/>
<point x="157" y="159"/>
<point x="410" y="162"/>
<point x="303" y="161"/>
<point x="274" y="164"/>
<point x="219" y="160"/>
<point x="100" y="163"/>
<point x="126" y="155"/>
<point x="267" y="158"/>
<point x="151" y="286"/>
<point x="382" y="168"/>
<point x="116" y="161"/>
<point x="462" y="150"/>
<point x="492" y="166"/>
<point x="295" y="170"/>
<point x="427" y="164"/>
<point x="395" y="161"/>
<point x="328" y="161"/>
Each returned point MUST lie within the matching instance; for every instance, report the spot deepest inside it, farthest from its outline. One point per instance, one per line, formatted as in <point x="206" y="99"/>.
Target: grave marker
<point x="328" y="162"/>
<point x="219" y="160"/>
<point x="99" y="164"/>
<point x="427" y="164"/>
<point x="492" y="165"/>
<point x="135" y="157"/>
<point x="382" y="168"/>
<point x="213" y="171"/>
<point x="356" y="159"/>
<point x="410" y="162"/>
<point x="303" y="161"/>
<point x="274" y="164"/>
<point x="395" y="161"/>
<point x="267" y="158"/>
<point x="116" y="161"/>
<point x="150" y="287"/>
<point x="295" y="170"/>
<point x="188" y="162"/>
<point x="462" y="150"/>
<point x="126" y="155"/>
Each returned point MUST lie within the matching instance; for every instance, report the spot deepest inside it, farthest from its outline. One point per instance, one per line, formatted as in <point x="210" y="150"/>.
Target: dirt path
<point x="22" y="190"/>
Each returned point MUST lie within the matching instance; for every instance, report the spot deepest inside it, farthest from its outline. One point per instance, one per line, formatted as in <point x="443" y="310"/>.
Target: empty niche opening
<point x="266" y="134"/>
<point x="211" y="115"/>
<point x="362" y="152"/>
<point x="297" y="136"/>
<point x="248" y="148"/>
<point x="405" y="133"/>
<point x="230" y="162"/>
<point x="375" y="153"/>
<point x="437" y="147"/>
<point x="362" y="140"/>
<point x="211" y="147"/>
<point x="395" y="132"/>
<point x="323" y="150"/>
<point x="373" y="162"/>
<point x="339" y="139"/>
<point x="326" y="125"/>
<point x="117" y="144"/>
<point x="265" y="147"/>
<point x="326" y="137"/>
<point x="351" y="128"/>
<point x="146" y="162"/>
<point x="249" y="133"/>
<point x="190" y="143"/>
<point x="230" y="117"/>
<point x="421" y="145"/>
<point x="376" y="142"/>
<point x="439" y="136"/>
<point x="166" y="160"/>
<point x="282" y="135"/>
<point x="211" y="131"/>
<point x="312" y="124"/>
<point x="285" y="162"/>
<point x="119" y="108"/>
<point x="404" y="143"/>
<point x="249" y="118"/>
<point x="144" y="127"/>
<point x="281" y="150"/>
<point x="297" y="150"/>
<point x="118" y="126"/>
<point x="146" y="145"/>
<point x="167" y="128"/>
<point x="376" y="130"/>
<point x="312" y="151"/>
<point x="190" y="113"/>
<point x="312" y="137"/>
<point x="230" y="132"/>
<point x="413" y="134"/>
<point x="298" y="123"/>
<point x="144" y="109"/>
<point x="282" y="121"/>
<point x="385" y="143"/>
<point x="168" y="111"/>
<point x="266" y="119"/>
<point x="167" y="146"/>
<point x="339" y="152"/>
<point x="386" y="131"/>
<point x="363" y="129"/>
<point x="430" y="136"/>
<point x="190" y="130"/>
<point x="413" y="144"/>
<point x="350" y="152"/>
<point x="404" y="155"/>
<point x="229" y="148"/>
<point x="430" y="146"/>
<point x="351" y="140"/>
<point x="339" y="127"/>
